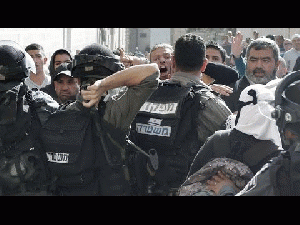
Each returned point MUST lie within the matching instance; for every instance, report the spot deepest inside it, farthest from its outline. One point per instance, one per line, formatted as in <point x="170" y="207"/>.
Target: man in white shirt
<point x="291" y="56"/>
<point x="40" y="79"/>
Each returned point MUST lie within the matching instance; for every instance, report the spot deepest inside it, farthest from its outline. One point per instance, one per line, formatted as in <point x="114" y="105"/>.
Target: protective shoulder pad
<point x="205" y="92"/>
<point x="44" y="101"/>
<point x="44" y="105"/>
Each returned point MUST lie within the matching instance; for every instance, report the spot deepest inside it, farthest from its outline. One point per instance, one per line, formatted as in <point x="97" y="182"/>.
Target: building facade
<point x="145" y="38"/>
<point x="72" y="39"/>
<point x="113" y="38"/>
<point x="286" y="32"/>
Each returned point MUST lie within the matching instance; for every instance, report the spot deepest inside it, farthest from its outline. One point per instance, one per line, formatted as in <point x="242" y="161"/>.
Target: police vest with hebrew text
<point x="81" y="148"/>
<point x="168" y="118"/>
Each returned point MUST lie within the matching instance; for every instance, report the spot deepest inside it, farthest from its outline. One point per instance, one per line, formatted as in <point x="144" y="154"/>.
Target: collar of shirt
<point x="32" y="84"/>
<point x="250" y="81"/>
<point x="186" y="78"/>
<point x="293" y="51"/>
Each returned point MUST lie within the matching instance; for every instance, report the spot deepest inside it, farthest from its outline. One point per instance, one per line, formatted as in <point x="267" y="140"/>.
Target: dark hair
<point x="189" y="52"/>
<point x="52" y="61"/>
<point x="215" y="45"/>
<point x="35" y="46"/>
<point x="62" y="52"/>
<point x="262" y="44"/>
<point x="271" y="36"/>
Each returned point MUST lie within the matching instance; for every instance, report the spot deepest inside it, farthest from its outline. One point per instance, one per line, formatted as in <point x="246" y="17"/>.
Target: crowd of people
<point x="193" y="119"/>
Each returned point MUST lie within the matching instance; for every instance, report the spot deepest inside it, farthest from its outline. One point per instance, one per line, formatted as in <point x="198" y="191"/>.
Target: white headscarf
<point x="256" y="119"/>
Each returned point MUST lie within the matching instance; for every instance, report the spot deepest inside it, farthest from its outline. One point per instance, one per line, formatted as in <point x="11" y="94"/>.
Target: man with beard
<point x="66" y="86"/>
<point x="262" y="63"/>
<point x="65" y="82"/>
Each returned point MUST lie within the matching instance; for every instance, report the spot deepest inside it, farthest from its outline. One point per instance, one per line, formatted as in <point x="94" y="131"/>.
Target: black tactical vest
<point x="63" y="138"/>
<point x="83" y="151"/>
<point x="167" y="117"/>
<point x="22" y="163"/>
<point x="167" y="122"/>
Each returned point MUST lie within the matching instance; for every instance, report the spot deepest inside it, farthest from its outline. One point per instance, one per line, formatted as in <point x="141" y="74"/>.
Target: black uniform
<point x="85" y="147"/>
<point x="23" y="169"/>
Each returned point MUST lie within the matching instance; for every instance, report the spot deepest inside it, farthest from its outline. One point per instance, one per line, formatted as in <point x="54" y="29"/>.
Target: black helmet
<point x="95" y="61"/>
<point x="15" y="62"/>
<point x="287" y="104"/>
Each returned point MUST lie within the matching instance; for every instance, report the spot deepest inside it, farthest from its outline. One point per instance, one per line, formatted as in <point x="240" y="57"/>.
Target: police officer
<point x="176" y="120"/>
<point x="23" y="168"/>
<point x="281" y="175"/>
<point x="84" y="141"/>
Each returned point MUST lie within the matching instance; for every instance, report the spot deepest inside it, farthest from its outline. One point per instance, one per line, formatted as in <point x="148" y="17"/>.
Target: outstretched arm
<point x="128" y="77"/>
<point x="236" y="46"/>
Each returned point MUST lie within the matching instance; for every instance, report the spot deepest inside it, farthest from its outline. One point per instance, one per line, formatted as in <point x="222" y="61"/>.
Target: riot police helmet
<point x="287" y="104"/>
<point x="15" y="62"/>
<point x="97" y="61"/>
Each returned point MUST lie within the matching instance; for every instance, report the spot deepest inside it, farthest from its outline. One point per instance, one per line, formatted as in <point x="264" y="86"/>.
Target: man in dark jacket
<point x="61" y="56"/>
<point x="262" y="63"/>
